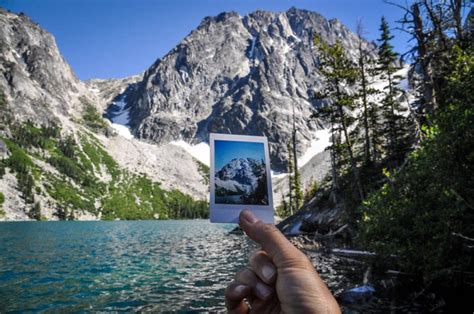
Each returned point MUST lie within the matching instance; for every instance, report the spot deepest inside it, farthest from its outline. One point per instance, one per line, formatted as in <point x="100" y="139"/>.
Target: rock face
<point x="37" y="82"/>
<point x="38" y="85"/>
<point x="241" y="75"/>
<point x="244" y="178"/>
<point x="244" y="172"/>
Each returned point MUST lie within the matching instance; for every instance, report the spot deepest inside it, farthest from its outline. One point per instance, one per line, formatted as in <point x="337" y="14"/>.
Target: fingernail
<point x="249" y="216"/>
<point x="263" y="291"/>
<point x="268" y="272"/>
<point x="239" y="289"/>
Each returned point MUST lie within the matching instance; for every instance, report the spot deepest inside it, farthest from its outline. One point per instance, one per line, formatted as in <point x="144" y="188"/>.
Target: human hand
<point x="280" y="277"/>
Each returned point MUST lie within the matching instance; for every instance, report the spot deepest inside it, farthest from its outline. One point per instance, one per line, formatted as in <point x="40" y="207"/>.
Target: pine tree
<point x="370" y="135"/>
<point x="283" y="210"/>
<point x="311" y="190"/>
<point x="35" y="212"/>
<point x="340" y="72"/>
<point x="395" y="125"/>
<point x="298" y="189"/>
<point x="290" y="178"/>
<point x="362" y="63"/>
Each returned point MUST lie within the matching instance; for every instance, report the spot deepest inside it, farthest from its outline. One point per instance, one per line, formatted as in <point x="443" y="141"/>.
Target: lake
<point x="117" y="265"/>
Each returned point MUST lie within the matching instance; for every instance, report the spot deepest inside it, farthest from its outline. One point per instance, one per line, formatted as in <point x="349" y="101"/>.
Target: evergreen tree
<point x="395" y="124"/>
<point x="340" y="72"/>
<point x="370" y="135"/>
<point x="311" y="190"/>
<point x="67" y="146"/>
<point x="283" y="210"/>
<point x="290" y="178"/>
<point x="295" y="193"/>
<point x="35" y="212"/>
<point x="298" y="193"/>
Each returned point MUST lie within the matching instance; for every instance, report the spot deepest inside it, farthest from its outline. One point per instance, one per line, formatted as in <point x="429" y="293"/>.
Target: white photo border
<point x="229" y="213"/>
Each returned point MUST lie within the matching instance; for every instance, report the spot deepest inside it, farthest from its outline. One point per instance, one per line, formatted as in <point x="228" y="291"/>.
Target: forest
<point x="402" y="163"/>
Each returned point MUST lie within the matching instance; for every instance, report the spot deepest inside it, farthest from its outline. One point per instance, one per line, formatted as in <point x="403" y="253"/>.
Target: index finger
<point x="278" y="248"/>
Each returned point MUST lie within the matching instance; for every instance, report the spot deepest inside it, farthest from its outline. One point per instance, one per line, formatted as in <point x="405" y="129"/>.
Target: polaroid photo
<point x="240" y="177"/>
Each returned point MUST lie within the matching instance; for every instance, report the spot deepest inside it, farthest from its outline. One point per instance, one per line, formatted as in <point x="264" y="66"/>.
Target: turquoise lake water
<point x="117" y="265"/>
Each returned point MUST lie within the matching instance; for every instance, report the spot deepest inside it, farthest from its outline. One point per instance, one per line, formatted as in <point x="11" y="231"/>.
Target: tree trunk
<point x="335" y="185"/>
<point x="354" y="169"/>
<point x="429" y="95"/>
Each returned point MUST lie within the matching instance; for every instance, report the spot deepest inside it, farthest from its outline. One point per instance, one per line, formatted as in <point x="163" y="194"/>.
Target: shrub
<point x="92" y="118"/>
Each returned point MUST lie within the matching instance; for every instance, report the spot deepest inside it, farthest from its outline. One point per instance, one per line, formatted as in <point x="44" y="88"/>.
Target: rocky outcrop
<point x="107" y="90"/>
<point x="240" y="75"/>
<point x="37" y="82"/>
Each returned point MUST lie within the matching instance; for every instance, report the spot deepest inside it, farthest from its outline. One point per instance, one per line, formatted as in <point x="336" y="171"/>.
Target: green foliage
<point x="2" y="168"/>
<point x="204" y="171"/>
<point x="180" y="205"/>
<point x="78" y="186"/>
<point x="424" y="211"/>
<point x="35" y="212"/>
<point x="299" y="195"/>
<point x="3" y="100"/>
<point x="67" y="195"/>
<point x="295" y="190"/>
<point x="2" y="200"/>
<point x="92" y="118"/>
<point x="368" y="132"/>
<point x="311" y="191"/>
<point x="64" y="213"/>
<point x="20" y="162"/>
<point x="5" y="115"/>
<point x="67" y="146"/>
<point x="290" y="206"/>
<point x="283" y="210"/>
<point x="67" y="166"/>
<point x="28" y="135"/>
<point x="97" y="156"/>
<point x="137" y="197"/>
<point x="340" y="73"/>
<point x="395" y="126"/>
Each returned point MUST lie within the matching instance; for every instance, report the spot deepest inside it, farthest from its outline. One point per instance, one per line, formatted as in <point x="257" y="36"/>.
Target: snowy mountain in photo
<point x="242" y="177"/>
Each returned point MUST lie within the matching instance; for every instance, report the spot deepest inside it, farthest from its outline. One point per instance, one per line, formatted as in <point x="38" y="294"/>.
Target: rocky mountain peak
<point x="222" y="17"/>
<point x="240" y="75"/>
<point x="36" y="80"/>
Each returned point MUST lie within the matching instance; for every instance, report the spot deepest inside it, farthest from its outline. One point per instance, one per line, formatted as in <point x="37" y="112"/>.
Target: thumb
<point x="278" y="248"/>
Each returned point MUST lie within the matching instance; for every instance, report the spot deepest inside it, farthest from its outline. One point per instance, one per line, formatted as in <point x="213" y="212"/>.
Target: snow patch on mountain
<point x="201" y="151"/>
<point x="119" y="115"/>
<point x="231" y="185"/>
<point x="321" y="141"/>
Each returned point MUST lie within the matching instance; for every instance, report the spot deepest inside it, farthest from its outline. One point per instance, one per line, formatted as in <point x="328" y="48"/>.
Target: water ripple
<point x="117" y="266"/>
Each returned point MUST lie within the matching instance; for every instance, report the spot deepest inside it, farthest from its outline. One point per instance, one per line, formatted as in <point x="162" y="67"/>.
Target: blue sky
<point x="225" y="151"/>
<point x="118" y="38"/>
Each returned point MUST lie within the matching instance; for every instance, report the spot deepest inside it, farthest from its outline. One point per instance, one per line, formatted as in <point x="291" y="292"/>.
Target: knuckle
<point x="244" y="273"/>
<point x="268" y="228"/>
<point x="256" y="257"/>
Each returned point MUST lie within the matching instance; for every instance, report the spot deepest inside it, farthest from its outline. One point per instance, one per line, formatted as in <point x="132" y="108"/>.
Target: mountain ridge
<point x="238" y="75"/>
<point x="247" y="83"/>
